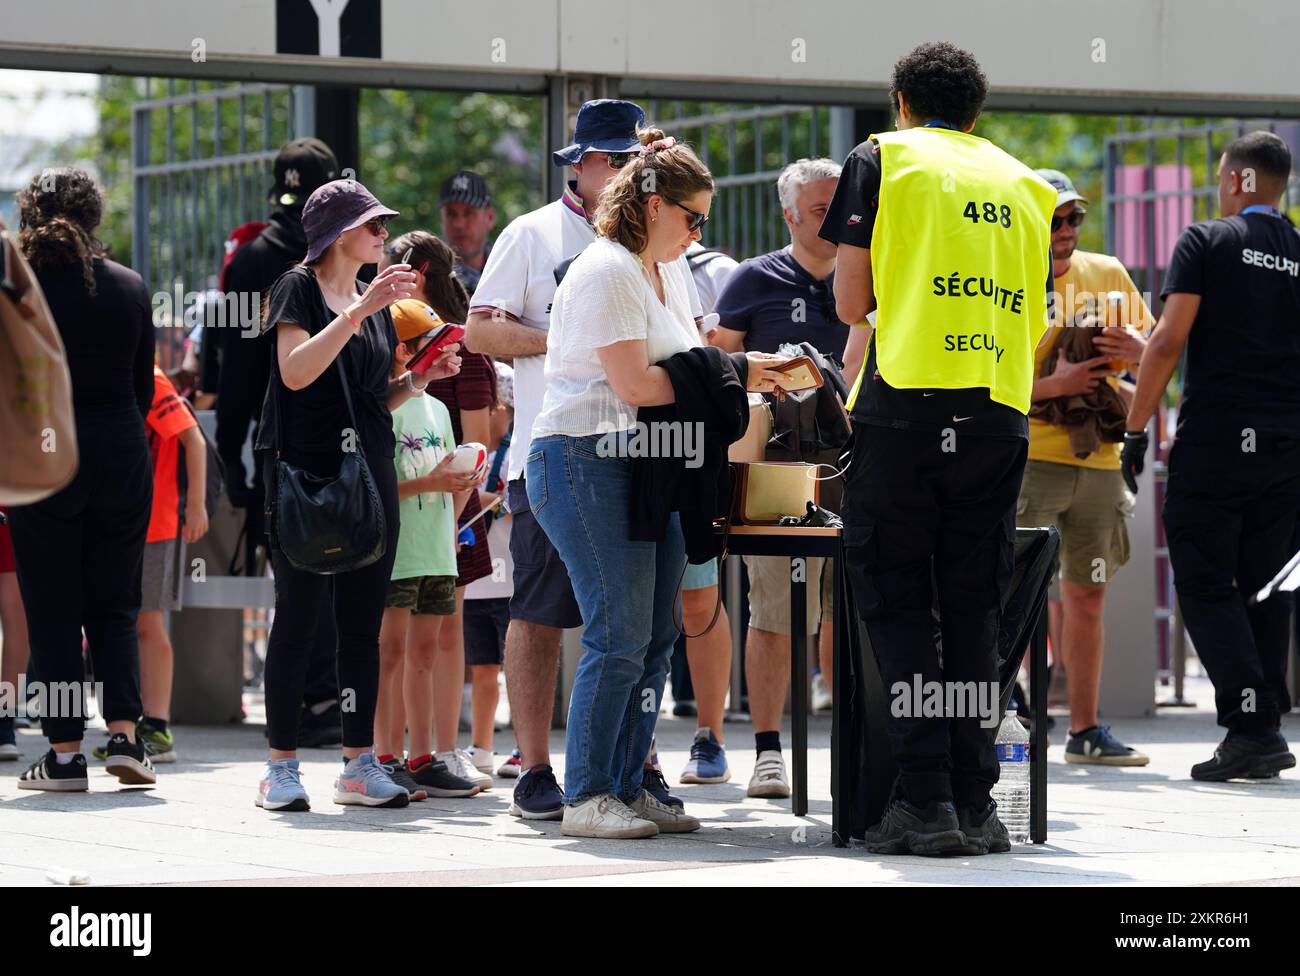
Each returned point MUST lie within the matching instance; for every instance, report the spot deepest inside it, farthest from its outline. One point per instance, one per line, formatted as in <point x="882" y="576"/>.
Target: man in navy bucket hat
<point x="509" y="317"/>
<point x="604" y="125"/>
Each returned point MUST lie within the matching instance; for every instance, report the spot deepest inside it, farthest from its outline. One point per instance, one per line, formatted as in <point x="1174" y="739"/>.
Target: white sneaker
<point x="510" y="768"/>
<point x="482" y="760"/>
<point x="605" y="816"/>
<point x="459" y="763"/>
<point x="668" y="819"/>
<point x="9" y="752"/>
<point x="769" y="780"/>
<point x="821" y="695"/>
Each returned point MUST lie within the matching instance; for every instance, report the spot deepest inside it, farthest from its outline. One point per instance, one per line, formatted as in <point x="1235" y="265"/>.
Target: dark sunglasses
<point x="617" y="160"/>
<point x="697" y="219"/>
<point x="1075" y="220"/>
<point x="377" y="224"/>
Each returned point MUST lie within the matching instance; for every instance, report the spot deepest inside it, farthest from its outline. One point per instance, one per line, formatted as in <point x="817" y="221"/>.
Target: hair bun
<point x="657" y="145"/>
<point x="650" y="134"/>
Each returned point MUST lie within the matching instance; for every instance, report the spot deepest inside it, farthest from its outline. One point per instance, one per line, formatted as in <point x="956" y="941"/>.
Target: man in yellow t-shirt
<point x="1084" y="498"/>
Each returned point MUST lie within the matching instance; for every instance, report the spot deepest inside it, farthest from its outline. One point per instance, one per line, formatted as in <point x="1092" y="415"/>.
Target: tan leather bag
<point x="38" y="429"/>
<point x="765" y="492"/>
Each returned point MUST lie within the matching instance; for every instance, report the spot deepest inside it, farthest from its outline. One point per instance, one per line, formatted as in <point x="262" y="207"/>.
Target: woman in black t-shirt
<point x="320" y="311"/>
<point x="79" y="551"/>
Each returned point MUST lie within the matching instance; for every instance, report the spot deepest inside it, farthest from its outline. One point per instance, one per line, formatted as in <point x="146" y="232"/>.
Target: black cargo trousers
<point x="929" y="520"/>
<point x="1230" y="517"/>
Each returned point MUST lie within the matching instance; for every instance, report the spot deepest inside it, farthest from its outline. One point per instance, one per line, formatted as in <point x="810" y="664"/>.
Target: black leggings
<point x="300" y="601"/>
<point x="79" y="554"/>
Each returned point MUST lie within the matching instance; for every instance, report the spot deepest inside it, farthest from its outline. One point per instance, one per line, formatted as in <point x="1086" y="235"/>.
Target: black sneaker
<point x="538" y="796"/>
<point x="399" y="774"/>
<point x="437" y="780"/>
<point x="317" y="731"/>
<point x="1241" y="755"/>
<point x="909" y="829"/>
<point x="128" y="761"/>
<point x="653" y="782"/>
<point x="983" y="830"/>
<point x="47" y="773"/>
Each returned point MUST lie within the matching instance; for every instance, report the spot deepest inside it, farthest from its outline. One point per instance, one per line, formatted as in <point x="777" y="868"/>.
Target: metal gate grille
<point x="746" y="147"/>
<point x="1157" y="181"/>
<point x="202" y="166"/>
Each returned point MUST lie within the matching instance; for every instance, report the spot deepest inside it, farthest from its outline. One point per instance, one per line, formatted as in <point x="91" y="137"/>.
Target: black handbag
<point x="326" y="525"/>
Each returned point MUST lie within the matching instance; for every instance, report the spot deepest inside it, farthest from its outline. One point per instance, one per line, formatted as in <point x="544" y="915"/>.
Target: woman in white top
<point x="622" y="307"/>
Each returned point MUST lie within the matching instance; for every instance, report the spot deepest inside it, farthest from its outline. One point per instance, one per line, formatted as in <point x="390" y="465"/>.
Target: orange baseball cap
<point x="412" y="317"/>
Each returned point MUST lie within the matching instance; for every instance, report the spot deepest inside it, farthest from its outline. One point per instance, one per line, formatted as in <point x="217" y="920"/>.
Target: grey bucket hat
<point x="338" y="206"/>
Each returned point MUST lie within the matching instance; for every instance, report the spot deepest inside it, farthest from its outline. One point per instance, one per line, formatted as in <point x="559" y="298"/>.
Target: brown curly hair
<point x="675" y="172"/>
<point x="442" y="289"/>
<point x="58" y="213"/>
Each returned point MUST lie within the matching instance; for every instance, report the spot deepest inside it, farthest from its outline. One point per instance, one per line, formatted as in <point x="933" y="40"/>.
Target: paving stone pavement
<point x="1144" y="826"/>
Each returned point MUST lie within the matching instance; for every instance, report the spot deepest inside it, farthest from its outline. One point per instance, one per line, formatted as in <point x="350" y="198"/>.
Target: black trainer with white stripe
<point x="129" y="762"/>
<point x="47" y="773"/>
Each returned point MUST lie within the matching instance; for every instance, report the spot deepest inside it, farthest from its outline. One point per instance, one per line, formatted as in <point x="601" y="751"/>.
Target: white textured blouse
<point x="606" y="298"/>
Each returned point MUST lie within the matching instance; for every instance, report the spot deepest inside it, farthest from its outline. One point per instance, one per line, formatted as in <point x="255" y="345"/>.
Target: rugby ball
<point x="470" y="458"/>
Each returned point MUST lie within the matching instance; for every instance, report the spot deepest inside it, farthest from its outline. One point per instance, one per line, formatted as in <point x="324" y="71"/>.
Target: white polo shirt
<point x="519" y="281"/>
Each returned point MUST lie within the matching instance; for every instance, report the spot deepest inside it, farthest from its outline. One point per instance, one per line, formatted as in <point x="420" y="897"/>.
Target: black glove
<point x="1133" y="457"/>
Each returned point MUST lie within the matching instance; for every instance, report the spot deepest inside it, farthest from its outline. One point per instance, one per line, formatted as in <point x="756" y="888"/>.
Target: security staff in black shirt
<point x="1232" y="298"/>
<point x="947" y="237"/>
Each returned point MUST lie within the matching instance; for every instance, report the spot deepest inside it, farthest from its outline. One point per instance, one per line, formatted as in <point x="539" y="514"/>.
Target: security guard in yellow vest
<point x="945" y="239"/>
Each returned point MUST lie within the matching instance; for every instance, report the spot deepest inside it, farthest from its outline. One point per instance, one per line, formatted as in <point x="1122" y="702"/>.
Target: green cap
<point x="1065" y="191"/>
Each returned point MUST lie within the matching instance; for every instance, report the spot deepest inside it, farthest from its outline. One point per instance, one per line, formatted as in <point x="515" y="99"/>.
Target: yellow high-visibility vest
<point x="959" y="263"/>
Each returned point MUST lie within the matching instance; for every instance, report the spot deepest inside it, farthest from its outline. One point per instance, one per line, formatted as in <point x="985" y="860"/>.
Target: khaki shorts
<point x="423" y="594"/>
<point x="1090" y="509"/>
<point x="160" y="588"/>
<point x="769" y="592"/>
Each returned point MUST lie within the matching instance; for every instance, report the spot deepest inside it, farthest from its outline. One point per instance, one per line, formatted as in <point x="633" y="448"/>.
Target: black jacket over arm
<point x="709" y="386"/>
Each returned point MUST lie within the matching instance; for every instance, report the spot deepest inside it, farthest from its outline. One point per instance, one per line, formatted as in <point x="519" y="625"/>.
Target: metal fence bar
<point x="190" y="192"/>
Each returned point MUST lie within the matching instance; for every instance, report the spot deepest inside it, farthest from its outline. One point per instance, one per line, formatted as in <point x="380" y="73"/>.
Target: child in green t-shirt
<point x="423" y="583"/>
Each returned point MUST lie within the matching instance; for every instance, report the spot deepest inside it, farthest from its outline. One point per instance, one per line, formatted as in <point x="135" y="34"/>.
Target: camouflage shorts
<point x="423" y="594"/>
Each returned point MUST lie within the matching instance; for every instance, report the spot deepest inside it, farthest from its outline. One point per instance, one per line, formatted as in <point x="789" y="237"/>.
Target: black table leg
<point x="1038" y="733"/>
<point x="799" y="682"/>
<point x="839" y="689"/>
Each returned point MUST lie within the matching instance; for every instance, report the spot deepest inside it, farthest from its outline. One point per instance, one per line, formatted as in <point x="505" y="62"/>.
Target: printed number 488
<point x="992" y="213"/>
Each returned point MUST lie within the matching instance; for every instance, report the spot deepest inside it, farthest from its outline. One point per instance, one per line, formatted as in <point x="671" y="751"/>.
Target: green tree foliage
<point x="411" y="141"/>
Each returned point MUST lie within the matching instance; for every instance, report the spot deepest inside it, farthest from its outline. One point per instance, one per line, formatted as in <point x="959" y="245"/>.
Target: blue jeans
<point x="626" y="592"/>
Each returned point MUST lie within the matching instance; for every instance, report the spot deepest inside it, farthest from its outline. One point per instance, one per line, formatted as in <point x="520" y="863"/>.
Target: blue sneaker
<point x="708" y="762"/>
<point x="653" y="782"/>
<point x="281" y="787"/>
<point x="1096" y="746"/>
<point x="538" y="796"/>
<point x="365" y="782"/>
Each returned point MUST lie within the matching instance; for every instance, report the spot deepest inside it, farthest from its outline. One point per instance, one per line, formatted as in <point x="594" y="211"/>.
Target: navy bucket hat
<point x="338" y="206"/>
<point x="604" y="125"/>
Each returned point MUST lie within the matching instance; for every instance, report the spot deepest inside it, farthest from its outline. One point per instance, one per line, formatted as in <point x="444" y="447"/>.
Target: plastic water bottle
<point x="1012" y="789"/>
